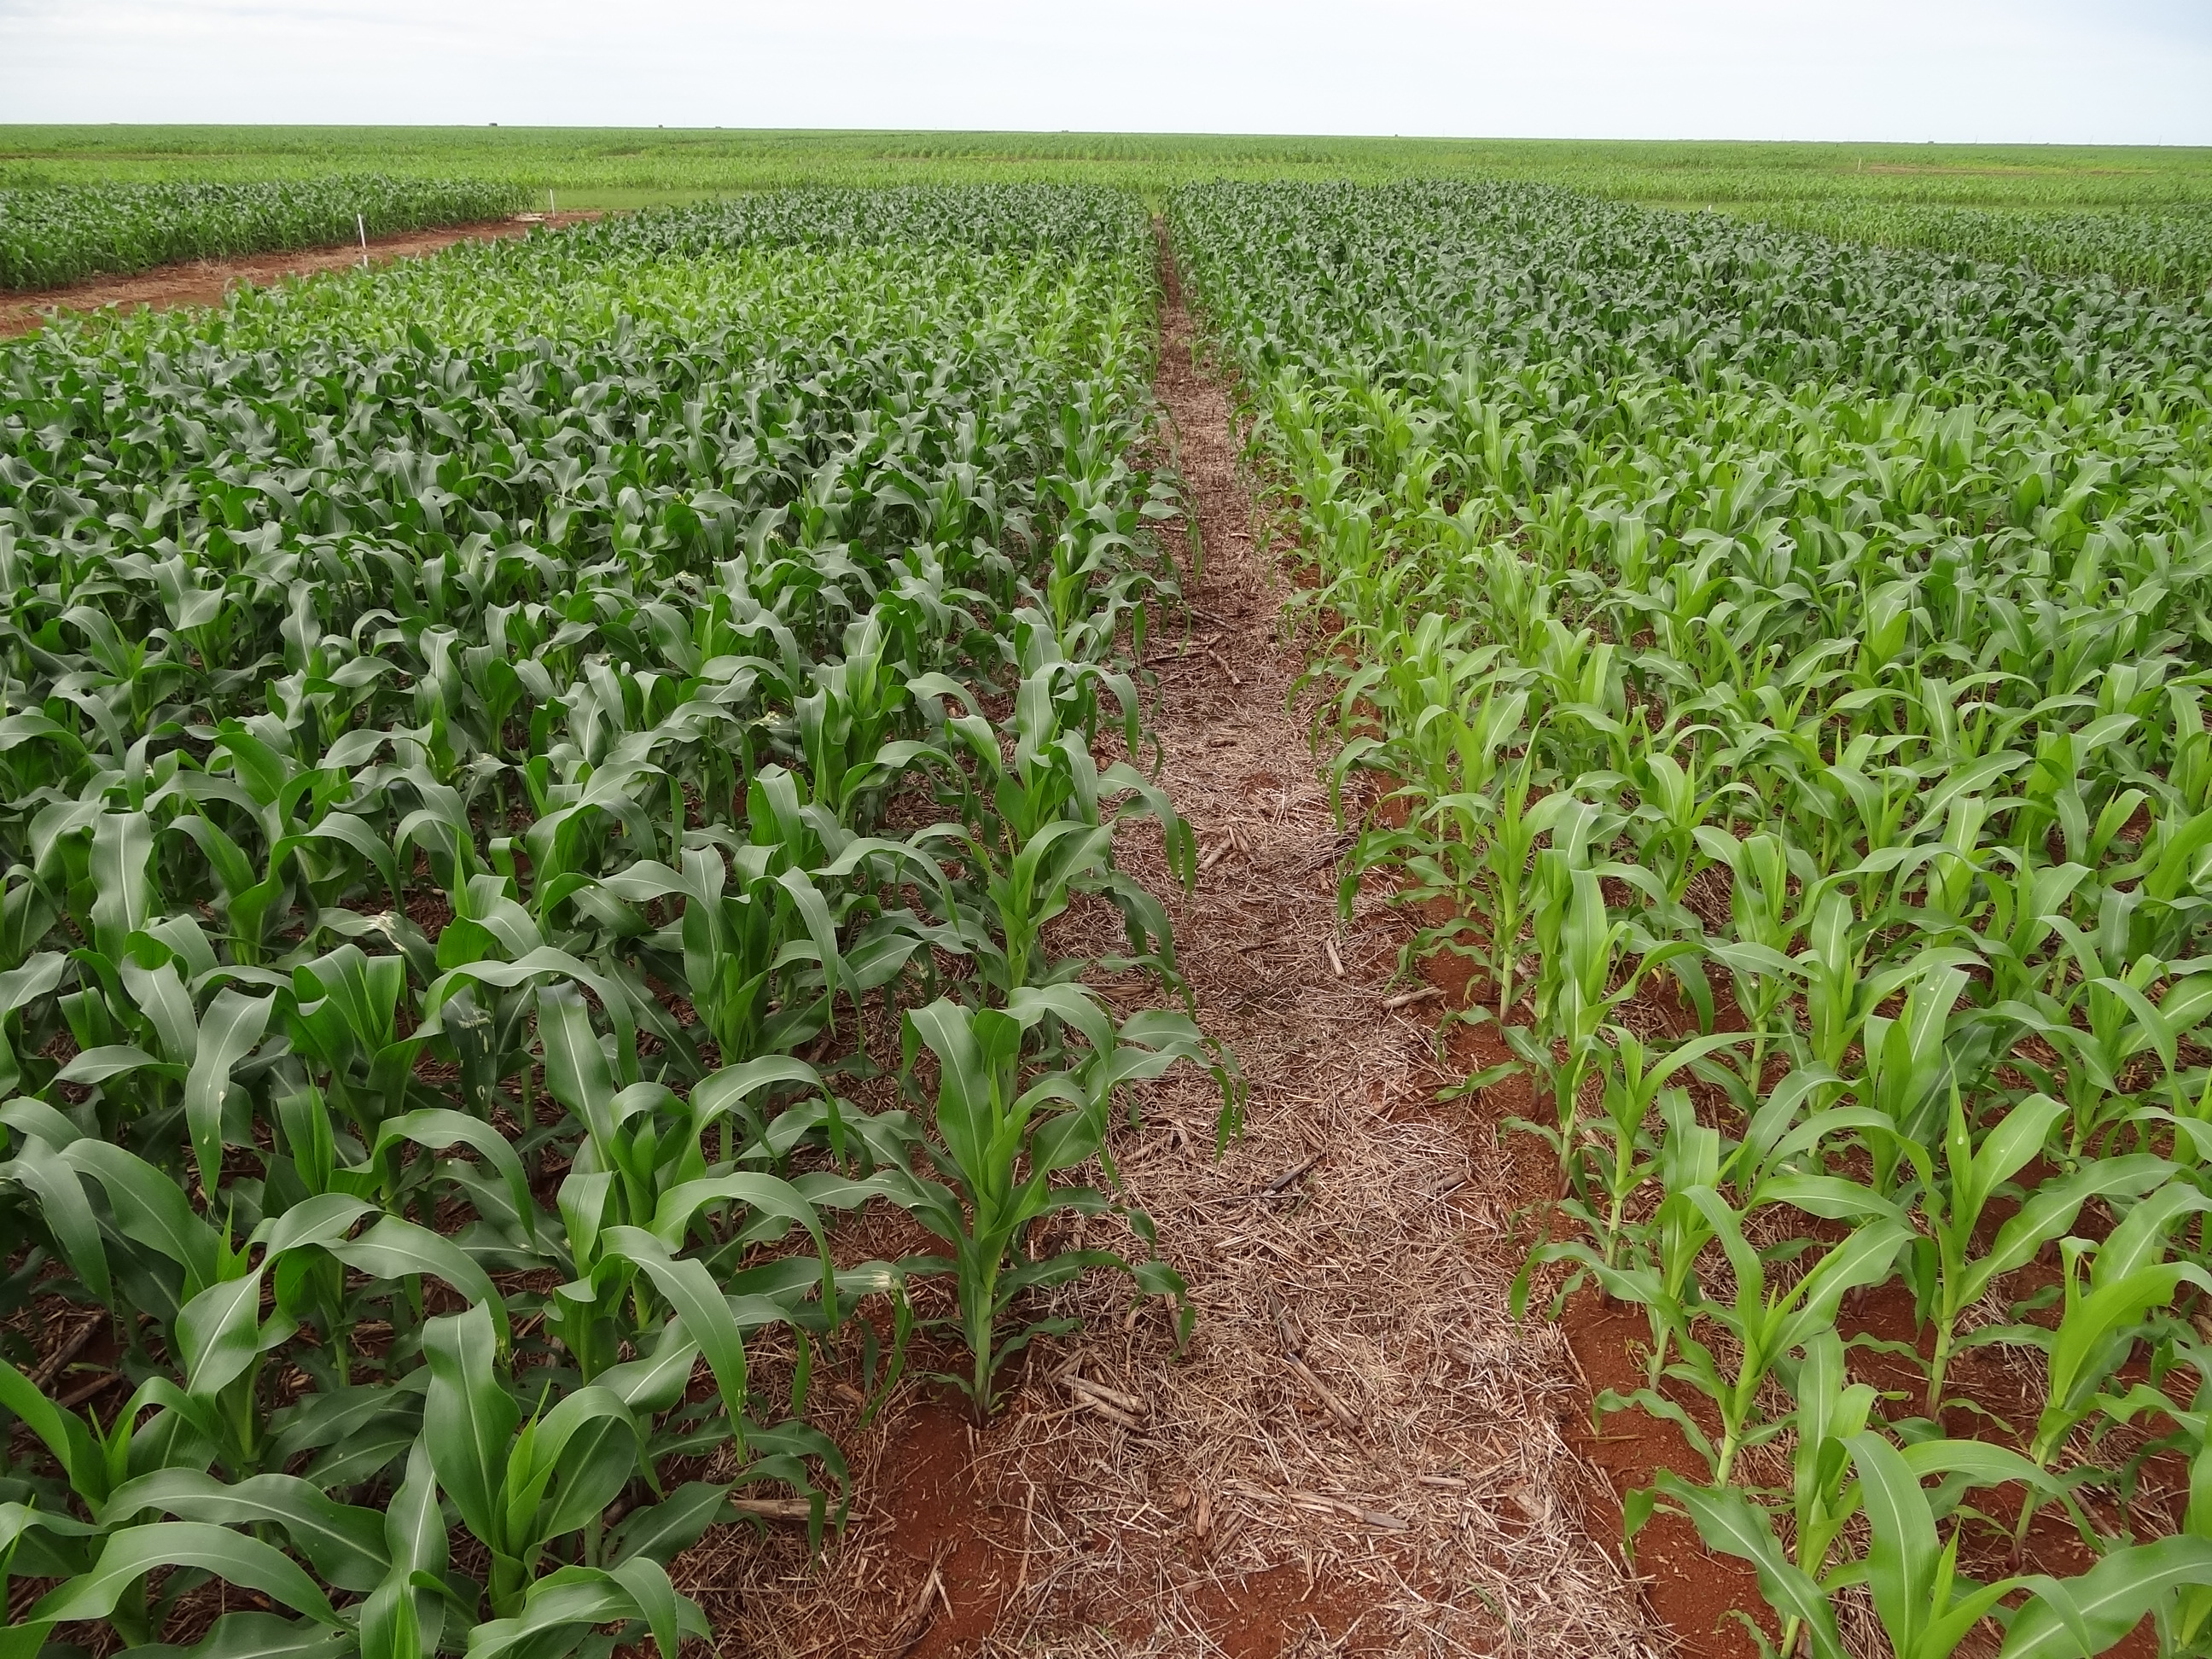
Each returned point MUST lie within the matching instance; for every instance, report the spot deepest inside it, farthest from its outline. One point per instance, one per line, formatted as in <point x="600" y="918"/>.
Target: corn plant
<point x="999" y="1143"/>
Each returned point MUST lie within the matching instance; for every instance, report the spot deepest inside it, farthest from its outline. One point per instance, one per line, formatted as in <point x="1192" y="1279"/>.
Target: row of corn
<point x="1785" y="664"/>
<point x="56" y="233"/>
<point x="534" y="790"/>
<point x="2167" y="250"/>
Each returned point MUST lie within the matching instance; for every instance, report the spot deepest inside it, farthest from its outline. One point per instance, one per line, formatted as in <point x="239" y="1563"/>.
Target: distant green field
<point x="619" y="167"/>
<point x="2143" y="216"/>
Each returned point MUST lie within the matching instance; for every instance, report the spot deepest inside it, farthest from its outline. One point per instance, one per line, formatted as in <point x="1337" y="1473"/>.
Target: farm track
<point x="1401" y="1485"/>
<point x="1396" y="1266"/>
<point x="204" y="281"/>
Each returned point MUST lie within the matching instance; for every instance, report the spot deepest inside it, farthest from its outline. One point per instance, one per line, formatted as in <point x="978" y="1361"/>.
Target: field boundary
<point x="205" y="282"/>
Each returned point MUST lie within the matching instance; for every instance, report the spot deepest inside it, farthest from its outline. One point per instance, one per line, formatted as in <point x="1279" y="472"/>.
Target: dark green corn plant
<point x="1040" y="826"/>
<point x="1019" y="1101"/>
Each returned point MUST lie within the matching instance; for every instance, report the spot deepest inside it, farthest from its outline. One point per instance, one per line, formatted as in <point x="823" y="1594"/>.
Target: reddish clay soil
<point x="204" y="281"/>
<point x="938" y="1521"/>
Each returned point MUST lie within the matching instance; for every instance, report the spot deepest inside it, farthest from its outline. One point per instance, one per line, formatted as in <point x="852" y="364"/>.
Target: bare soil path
<point x="1359" y="1453"/>
<point x="204" y="281"/>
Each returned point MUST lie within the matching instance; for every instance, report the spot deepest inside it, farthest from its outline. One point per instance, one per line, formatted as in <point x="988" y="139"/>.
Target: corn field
<point x="532" y="784"/>
<point x="62" y="234"/>
<point x="545" y="792"/>
<point x="1784" y="664"/>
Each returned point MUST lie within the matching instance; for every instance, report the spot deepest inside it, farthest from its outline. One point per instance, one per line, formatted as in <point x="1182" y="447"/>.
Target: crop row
<point x="2169" y="253"/>
<point x="1787" y="664"/>
<point x="63" y="233"/>
<point x="533" y="783"/>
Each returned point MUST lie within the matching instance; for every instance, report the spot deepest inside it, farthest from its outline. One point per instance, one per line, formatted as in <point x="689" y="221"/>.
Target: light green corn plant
<point x="2104" y="1311"/>
<point x="1766" y="1327"/>
<point x="62" y="234"/>
<point x="1583" y="976"/>
<point x="2184" y="1622"/>
<point x="1947" y="1269"/>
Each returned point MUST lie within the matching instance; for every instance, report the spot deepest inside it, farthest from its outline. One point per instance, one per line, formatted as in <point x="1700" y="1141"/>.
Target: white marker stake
<point x="549" y="208"/>
<point x="361" y="224"/>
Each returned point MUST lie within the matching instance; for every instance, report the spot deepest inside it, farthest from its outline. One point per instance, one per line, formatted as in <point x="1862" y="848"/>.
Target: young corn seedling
<point x="1944" y="1268"/>
<point x="1660" y="1274"/>
<point x="2105" y="1312"/>
<point x="1824" y="1498"/>
<point x="2184" y="1622"/>
<point x="1615" y="1150"/>
<point x="1508" y="846"/>
<point x="1582" y="951"/>
<point x="1926" y="1610"/>
<point x="1041" y="830"/>
<point x="1766" y="1327"/>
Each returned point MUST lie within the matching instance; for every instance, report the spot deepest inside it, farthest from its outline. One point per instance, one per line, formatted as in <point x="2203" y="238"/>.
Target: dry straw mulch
<point x="1359" y="1452"/>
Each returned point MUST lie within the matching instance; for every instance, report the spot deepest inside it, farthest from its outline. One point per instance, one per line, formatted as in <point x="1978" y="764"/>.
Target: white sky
<point x="2124" y="71"/>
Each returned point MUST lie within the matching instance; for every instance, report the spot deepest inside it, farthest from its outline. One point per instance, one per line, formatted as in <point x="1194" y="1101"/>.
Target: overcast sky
<point x="2122" y="72"/>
